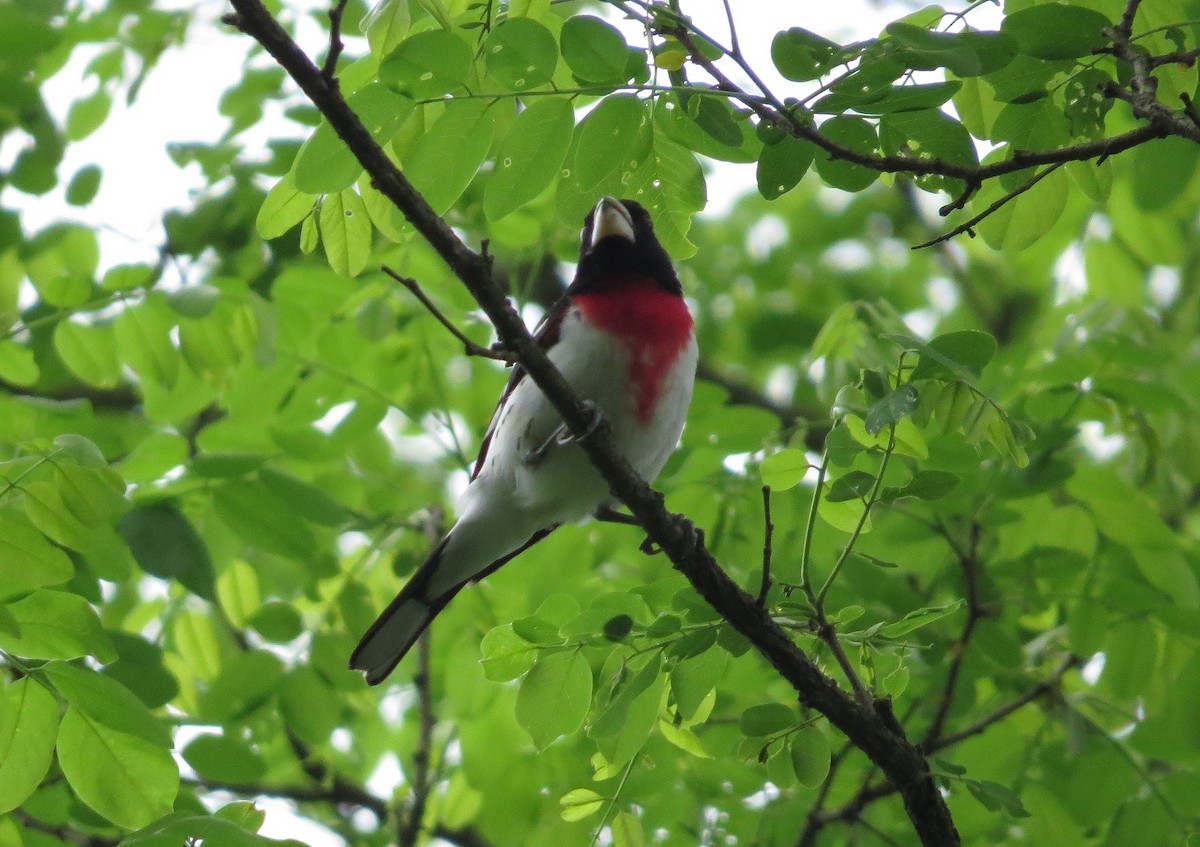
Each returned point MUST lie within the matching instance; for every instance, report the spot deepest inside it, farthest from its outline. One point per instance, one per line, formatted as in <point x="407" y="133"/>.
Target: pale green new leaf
<point x="28" y="728"/>
<point x="554" y="697"/>
<point x="122" y="777"/>
<point x="346" y="232"/>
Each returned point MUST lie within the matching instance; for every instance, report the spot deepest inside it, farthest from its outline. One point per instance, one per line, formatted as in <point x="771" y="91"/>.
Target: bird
<point x="624" y="339"/>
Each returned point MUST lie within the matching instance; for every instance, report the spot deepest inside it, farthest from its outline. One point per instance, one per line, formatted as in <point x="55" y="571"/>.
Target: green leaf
<point x="122" y="777"/>
<point x="277" y="622"/>
<point x="801" y="55"/>
<point x="27" y="559"/>
<point x="89" y="351"/>
<point x="1023" y="221"/>
<point x="857" y="135"/>
<point x="810" y="755"/>
<point x="781" y="166"/>
<point x="182" y="828"/>
<point x="127" y="277"/>
<point x="165" y="544"/>
<point x="88" y="114"/>
<point x="615" y="136"/>
<point x="594" y="50"/>
<point x="926" y="485"/>
<point x="84" y="185"/>
<point x="580" y="803"/>
<point x="684" y="739"/>
<point x="622" y="728"/>
<point x="855" y="485"/>
<point x="346" y="232"/>
<point x="996" y="797"/>
<point x="466" y="126"/>
<point x="108" y="702"/>
<point x="224" y="758"/>
<point x="144" y="339"/>
<point x="264" y="519"/>
<point x="767" y="719"/>
<point x="244" y="684"/>
<point x="56" y="625"/>
<point x="888" y="411"/>
<point x="427" y="65"/>
<point x="520" y="54"/>
<point x="785" y="469"/>
<point x="1056" y="30"/>
<point x="953" y="354"/>
<point x="28" y="728"/>
<point x="554" y="697"/>
<point x="506" y="655"/>
<point x="965" y="53"/>
<point x="284" y="206"/>
<point x="140" y="668"/>
<point x="17" y="364"/>
<point x="310" y="501"/>
<point x="530" y="156"/>
<point x="919" y="618"/>
<point x="325" y="164"/>
<point x="386" y="25"/>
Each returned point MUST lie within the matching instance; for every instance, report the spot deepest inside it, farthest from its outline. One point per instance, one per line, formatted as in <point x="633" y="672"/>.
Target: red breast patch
<point x="655" y="325"/>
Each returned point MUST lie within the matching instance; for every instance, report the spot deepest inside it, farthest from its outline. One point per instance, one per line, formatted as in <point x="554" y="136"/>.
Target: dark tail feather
<point x="400" y="625"/>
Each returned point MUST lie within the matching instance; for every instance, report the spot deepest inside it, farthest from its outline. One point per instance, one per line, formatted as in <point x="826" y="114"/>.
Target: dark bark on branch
<point x="870" y="726"/>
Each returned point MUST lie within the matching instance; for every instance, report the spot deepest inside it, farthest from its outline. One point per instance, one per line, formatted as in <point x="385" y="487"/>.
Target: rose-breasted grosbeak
<point x="622" y="336"/>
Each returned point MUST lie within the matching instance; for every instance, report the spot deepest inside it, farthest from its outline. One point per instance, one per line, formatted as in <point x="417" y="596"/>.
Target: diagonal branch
<point x="870" y="725"/>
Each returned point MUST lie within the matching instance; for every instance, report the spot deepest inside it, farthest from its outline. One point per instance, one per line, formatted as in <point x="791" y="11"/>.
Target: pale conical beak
<point x="610" y="218"/>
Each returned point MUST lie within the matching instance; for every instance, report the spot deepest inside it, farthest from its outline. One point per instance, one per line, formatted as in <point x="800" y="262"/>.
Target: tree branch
<point x="869" y="726"/>
<point x="409" y="831"/>
<point x="768" y="531"/>
<point x="63" y="833"/>
<point x="969" y="563"/>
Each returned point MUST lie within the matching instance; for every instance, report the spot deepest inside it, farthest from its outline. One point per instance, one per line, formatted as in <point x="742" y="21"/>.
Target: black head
<point x="618" y="240"/>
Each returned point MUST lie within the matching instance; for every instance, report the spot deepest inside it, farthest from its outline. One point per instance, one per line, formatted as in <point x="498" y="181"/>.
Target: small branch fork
<point x="471" y="348"/>
<point x="1160" y="120"/>
<point x="870" y="726"/>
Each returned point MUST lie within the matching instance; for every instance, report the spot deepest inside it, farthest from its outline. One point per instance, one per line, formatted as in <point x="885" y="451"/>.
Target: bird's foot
<point x="562" y="436"/>
<point x="607" y="514"/>
<point x="649" y="547"/>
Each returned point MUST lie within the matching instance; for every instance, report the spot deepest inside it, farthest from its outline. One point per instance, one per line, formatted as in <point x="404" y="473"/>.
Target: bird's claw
<point x="562" y="436"/>
<point x="649" y="547"/>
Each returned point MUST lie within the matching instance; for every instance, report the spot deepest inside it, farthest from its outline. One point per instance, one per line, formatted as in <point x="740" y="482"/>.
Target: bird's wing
<point x="546" y="333"/>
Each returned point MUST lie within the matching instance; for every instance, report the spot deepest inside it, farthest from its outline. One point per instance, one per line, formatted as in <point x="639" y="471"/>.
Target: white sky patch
<point x="1070" y="277"/>
<point x="1097" y="443"/>
<point x="1093" y="668"/>
<point x="942" y="294"/>
<point x="386" y="777"/>
<point x="767" y="233"/>
<point x="328" y="422"/>
<point x="1164" y="285"/>
<point x="847" y="255"/>
<point x="922" y="322"/>
<point x="283" y="822"/>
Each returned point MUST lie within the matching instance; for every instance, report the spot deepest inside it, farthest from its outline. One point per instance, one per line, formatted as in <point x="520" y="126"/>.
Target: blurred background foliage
<point x="216" y="466"/>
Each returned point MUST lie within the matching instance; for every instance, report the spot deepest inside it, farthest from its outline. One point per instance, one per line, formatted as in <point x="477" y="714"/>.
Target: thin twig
<point x="409" y="823"/>
<point x="852" y="809"/>
<point x="329" y="68"/>
<point x="1007" y="709"/>
<point x="768" y="530"/>
<point x="969" y="563"/>
<point x="968" y="226"/>
<point x="470" y="346"/>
